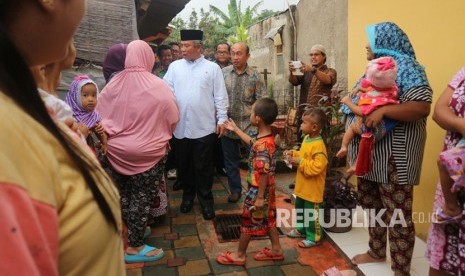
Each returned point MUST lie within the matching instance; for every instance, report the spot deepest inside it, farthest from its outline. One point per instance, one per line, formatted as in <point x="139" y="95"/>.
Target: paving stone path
<point x="191" y="245"/>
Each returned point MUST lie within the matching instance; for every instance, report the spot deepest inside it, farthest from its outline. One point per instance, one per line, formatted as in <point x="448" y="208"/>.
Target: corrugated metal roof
<point x="273" y="31"/>
<point x="159" y="14"/>
<point x="108" y="22"/>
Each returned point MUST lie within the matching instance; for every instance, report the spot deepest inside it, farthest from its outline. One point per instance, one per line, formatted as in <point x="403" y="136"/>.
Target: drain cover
<point x="227" y="228"/>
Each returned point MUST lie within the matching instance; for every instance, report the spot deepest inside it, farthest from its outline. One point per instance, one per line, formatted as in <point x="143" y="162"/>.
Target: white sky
<point x="274" y="5"/>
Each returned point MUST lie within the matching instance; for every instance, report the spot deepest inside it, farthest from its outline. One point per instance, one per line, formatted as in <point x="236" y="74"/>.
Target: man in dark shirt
<point x="315" y="84"/>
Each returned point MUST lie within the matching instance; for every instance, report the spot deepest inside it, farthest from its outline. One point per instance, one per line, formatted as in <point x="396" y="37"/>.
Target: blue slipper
<point x="141" y="256"/>
<point x="308" y="244"/>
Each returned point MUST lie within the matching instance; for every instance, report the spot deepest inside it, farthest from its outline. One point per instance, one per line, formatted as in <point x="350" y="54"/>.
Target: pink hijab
<point x="139" y="113"/>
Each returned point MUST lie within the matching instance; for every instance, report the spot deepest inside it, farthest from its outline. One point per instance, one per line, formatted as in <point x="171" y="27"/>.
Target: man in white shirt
<point x="198" y="85"/>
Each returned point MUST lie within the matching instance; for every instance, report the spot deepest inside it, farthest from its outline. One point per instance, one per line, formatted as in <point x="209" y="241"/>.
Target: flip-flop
<point x="333" y="271"/>
<point x="440" y="217"/>
<point x="225" y="259"/>
<point x="141" y="256"/>
<point x="308" y="243"/>
<point x="266" y="255"/>
<point x="295" y="234"/>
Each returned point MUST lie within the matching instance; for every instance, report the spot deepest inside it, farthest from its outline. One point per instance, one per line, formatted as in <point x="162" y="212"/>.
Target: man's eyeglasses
<point x="315" y="55"/>
<point x="222" y="53"/>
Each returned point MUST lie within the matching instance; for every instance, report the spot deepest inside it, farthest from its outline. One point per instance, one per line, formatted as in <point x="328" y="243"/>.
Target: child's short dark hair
<point x="318" y="114"/>
<point x="267" y="109"/>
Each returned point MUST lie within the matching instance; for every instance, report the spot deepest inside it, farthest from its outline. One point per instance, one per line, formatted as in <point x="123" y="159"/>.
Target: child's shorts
<point x="453" y="160"/>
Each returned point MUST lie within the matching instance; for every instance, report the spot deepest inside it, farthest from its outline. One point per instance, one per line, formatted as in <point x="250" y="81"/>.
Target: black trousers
<point x="218" y="155"/>
<point x="195" y="168"/>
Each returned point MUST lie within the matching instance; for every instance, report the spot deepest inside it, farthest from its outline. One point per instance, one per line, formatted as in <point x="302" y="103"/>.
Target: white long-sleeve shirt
<point x="200" y="94"/>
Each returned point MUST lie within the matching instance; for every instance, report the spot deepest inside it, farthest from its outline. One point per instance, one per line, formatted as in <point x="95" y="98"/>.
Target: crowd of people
<point x="73" y="172"/>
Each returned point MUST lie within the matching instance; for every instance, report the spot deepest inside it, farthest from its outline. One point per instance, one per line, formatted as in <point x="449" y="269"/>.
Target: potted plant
<point x="339" y="201"/>
<point x="333" y="131"/>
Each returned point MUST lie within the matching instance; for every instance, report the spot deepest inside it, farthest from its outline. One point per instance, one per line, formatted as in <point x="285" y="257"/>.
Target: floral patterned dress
<point x="446" y="243"/>
<point x="261" y="161"/>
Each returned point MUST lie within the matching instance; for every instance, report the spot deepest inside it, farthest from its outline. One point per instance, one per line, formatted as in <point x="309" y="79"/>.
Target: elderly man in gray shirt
<point x="244" y="87"/>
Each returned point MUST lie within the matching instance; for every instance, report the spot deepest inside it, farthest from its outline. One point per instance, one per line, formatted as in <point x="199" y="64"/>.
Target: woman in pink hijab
<point x="139" y="115"/>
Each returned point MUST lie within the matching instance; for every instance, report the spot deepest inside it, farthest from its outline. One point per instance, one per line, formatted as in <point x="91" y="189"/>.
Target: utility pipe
<point x="294" y="48"/>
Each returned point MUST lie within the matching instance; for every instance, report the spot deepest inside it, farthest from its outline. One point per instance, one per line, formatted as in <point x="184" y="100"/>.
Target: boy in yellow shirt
<point x="311" y="161"/>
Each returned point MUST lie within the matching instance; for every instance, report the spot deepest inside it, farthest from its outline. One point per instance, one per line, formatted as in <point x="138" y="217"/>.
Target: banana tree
<point x="242" y="35"/>
<point x="235" y="18"/>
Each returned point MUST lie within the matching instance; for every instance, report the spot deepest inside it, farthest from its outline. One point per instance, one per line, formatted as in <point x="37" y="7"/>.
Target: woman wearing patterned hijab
<point x="139" y="114"/>
<point x="82" y="98"/>
<point x="398" y="156"/>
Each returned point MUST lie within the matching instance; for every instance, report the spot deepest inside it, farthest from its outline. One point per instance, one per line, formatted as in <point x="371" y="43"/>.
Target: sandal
<point x="333" y="271"/>
<point x="266" y="255"/>
<point x="294" y="233"/>
<point x="141" y="256"/>
<point x="308" y="244"/>
<point x="225" y="259"/>
<point x="440" y="217"/>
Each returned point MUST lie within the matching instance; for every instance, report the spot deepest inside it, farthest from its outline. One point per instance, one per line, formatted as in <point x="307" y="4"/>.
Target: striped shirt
<point x="405" y="143"/>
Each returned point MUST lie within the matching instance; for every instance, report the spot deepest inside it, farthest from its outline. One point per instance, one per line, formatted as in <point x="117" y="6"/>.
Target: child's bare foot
<point x="366" y="258"/>
<point x="342" y="152"/>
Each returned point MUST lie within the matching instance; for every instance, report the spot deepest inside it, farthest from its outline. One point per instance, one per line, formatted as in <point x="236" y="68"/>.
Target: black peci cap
<point x="191" y="35"/>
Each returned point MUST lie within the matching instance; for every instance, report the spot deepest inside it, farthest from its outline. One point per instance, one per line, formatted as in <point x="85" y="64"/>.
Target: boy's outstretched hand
<point x="220" y="130"/>
<point x="230" y="125"/>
